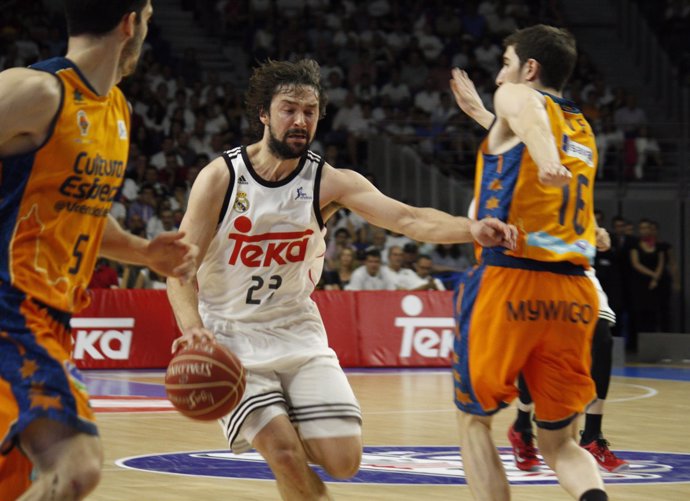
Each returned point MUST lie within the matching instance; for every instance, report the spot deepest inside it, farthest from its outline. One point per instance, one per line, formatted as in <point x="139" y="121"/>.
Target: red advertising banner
<point x="339" y="313"/>
<point x="124" y="329"/>
<point x="402" y="328"/>
<point x="134" y="329"/>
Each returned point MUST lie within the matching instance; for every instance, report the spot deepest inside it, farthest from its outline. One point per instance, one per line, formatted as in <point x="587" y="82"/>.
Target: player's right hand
<point x="192" y="336"/>
<point x="170" y="255"/>
<point x="492" y="232"/>
<point x="555" y="175"/>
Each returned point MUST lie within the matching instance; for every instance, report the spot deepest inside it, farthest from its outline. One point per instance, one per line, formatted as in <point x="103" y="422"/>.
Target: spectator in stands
<point x="648" y="155"/>
<point x="428" y="98"/>
<point x="164" y="221"/>
<point x="340" y="276"/>
<point x="414" y="71"/>
<point x="396" y="89"/>
<point x="410" y="253"/>
<point x="669" y="282"/>
<point x="104" y="276"/>
<point x="449" y="257"/>
<point x="369" y="276"/>
<point x="400" y="276"/>
<point x="630" y="118"/>
<point x="342" y="239"/>
<point x="648" y="265"/>
<point x="422" y="280"/>
<point x="144" y="206"/>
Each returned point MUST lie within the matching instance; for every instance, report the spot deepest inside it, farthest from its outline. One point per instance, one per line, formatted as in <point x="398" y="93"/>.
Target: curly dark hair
<point x="273" y="77"/>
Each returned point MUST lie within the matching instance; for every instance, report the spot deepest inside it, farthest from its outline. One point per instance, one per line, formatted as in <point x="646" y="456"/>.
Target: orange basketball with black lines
<point x="205" y="381"/>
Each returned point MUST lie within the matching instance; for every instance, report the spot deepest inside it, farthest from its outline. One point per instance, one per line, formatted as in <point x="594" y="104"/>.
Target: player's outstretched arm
<point x="29" y="100"/>
<point x="169" y="254"/>
<point x="523" y="108"/>
<point x="199" y="223"/>
<point x="351" y="190"/>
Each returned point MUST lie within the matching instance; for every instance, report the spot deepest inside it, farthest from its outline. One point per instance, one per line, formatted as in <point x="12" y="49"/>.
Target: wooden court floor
<point x="408" y="408"/>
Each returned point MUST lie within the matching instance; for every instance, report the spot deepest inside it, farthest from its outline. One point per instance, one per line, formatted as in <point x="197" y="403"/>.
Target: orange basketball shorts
<point x="530" y="317"/>
<point x="37" y="377"/>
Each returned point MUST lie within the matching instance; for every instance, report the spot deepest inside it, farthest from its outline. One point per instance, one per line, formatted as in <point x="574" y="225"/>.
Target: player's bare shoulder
<point x="29" y="101"/>
<point x="335" y="183"/>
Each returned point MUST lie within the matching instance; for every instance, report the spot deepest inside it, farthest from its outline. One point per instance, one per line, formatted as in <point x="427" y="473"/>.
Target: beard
<point x="131" y="52"/>
<point x="284" y="150"/>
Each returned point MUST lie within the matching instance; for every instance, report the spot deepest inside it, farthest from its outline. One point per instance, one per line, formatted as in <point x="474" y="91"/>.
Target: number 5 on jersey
<point x="78" y="253"/>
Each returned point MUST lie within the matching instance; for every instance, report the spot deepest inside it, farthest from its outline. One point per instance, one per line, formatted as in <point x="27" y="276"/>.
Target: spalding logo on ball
<point x="205" y="381"/>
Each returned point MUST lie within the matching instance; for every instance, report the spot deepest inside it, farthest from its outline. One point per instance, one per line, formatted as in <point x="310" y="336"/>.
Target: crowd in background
<point x="385" y="66"/>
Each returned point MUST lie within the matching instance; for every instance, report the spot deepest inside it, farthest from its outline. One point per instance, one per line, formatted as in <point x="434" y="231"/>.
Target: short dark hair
<point x="553" y="48"/>
<point x="98" y="17"/>
<point x="272" y="77"/>
<point x="372" y="252"/>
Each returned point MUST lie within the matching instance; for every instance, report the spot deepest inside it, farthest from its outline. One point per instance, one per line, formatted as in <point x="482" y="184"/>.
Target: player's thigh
<point x="494" y="337"/>
<point x="558" y="370"/>
<point x="321" y="401"/>
<point x="262" y="402"/>
<point x="51" y="445"/>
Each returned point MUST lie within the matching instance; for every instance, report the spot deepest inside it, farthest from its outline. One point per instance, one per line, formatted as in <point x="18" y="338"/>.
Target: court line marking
<point x="650" y="392"/>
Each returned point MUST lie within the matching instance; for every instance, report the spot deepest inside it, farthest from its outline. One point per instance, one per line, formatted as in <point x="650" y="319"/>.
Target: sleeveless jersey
<point x="554" y="224"/>
<point x="267" y="255"/>
<point x="54" y="201"/>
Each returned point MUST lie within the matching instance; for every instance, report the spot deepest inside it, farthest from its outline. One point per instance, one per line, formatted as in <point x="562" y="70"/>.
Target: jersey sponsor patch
<point x="83" y="122"/>
<point x="122" y="130"/>
<point x="303" y="195"/>
<point x="577" y="150"/>
<point x="403" y="465"/>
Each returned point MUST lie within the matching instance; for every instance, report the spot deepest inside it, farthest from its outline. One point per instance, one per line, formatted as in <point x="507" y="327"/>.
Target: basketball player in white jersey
<point x="258" y="215"/>
<point x="520" y="434"/>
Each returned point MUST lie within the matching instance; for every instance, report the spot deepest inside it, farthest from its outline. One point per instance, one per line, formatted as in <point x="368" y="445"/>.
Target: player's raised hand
<point x="468" y="98"/>
<point x="171" y="256"/>
<point x="492" y="232"/>
<point x="554" y="174"/>
<point x="192" y="336"/>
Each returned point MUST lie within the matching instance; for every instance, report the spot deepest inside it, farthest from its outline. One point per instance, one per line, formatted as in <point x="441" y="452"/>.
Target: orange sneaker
<point x="524" y="451"/>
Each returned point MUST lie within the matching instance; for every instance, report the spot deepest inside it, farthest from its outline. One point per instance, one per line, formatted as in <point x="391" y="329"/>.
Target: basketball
<point x="205" y="381"/>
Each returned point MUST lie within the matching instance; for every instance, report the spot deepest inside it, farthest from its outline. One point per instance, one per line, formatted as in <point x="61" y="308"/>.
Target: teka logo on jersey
<point x="428" y="336"/>
<point x="405" y="465"/>
<point x="266" y="249"/>
<point x="102" y="338"/>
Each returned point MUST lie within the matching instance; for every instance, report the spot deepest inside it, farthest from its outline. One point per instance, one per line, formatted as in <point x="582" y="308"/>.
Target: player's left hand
<point x="554" y="174"/>
<point x="492" y="232"/>
<point x="465" y="93"/>
<point x="603" y="239"/>
<point x="171" y="256"/>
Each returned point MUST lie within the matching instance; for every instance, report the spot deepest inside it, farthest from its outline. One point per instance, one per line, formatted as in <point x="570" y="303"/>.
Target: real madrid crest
<point x="241" y="202"/>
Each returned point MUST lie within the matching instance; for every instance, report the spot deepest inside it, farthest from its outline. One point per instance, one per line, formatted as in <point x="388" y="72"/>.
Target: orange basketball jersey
<point x="54" y="201"/>
<point x="555" y="224"/>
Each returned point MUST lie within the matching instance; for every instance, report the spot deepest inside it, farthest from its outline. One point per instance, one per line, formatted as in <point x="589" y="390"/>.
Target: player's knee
<point x="85" y="481"/>
<point x="344" y="464"/>
<point x="288" y="460"/>
<point x="84" y="474"/>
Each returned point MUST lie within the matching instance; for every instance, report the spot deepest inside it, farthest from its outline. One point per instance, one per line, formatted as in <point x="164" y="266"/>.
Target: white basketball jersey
<point x="267" y="255"/>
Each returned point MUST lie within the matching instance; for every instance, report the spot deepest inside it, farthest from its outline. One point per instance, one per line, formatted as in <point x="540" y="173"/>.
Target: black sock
<point x="592" y="428"/>
<point x="523" y="421"/>
<point x="594" y="495"/>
